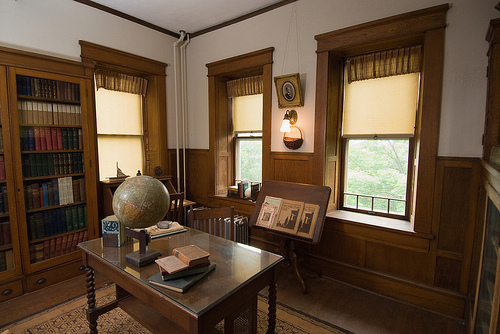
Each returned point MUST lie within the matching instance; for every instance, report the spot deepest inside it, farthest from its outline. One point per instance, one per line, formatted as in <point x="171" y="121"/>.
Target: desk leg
<point x="92" y="312"/>
<point x="271" y="327"/>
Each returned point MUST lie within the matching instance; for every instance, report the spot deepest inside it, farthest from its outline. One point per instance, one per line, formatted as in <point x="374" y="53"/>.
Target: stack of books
<point x="186" y="266"/>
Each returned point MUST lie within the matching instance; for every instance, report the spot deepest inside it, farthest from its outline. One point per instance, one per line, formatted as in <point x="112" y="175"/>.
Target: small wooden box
<point x="113" y="232"/>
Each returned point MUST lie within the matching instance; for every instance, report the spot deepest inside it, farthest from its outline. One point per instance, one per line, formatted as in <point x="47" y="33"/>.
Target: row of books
<point x="7" y="260"/>
<point x="4" y="200"/>
<point x="47" y="88"/>
<point x="5" y="236"/>
<point x="52" y="164"/>
<point x="58" y="191"/>
<point x="56" y="246"/>
<point x="52" y="222"/>
<point x="179" y="271"/>
<point x="50" y="138"/>
<point x="292" y="217"/>
<point x="48" y="113"/>
<point x="244" y="189"/>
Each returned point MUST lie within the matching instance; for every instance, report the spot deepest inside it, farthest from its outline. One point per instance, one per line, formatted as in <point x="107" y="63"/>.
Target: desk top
<point x="237" y="264"/>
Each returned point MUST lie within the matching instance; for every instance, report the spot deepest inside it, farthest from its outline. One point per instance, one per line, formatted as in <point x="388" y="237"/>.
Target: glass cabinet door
<point x="487" y="296"/>
<point x="52" y="206"/>
<point x="10" y="260"/>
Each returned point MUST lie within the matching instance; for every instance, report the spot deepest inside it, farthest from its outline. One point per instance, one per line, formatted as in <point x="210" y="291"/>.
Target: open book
<point x="293" y="217"/>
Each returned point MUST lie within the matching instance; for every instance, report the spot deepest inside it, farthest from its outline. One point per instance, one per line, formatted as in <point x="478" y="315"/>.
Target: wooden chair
<point x="216" y="221"/>
<point x="176" y="211"/>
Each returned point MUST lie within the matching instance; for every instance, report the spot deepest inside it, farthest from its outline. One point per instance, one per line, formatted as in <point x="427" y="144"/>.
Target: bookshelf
<point x="50" y="176"/>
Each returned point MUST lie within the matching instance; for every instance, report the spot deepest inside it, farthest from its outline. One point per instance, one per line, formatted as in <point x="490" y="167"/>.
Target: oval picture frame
<point x="289" y="90"/>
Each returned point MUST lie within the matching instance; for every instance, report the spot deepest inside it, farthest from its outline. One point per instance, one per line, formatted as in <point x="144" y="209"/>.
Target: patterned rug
<point x="69" y="317"/>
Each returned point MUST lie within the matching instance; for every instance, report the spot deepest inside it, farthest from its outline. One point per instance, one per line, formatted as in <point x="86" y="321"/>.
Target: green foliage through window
<point x="376" y="174"/>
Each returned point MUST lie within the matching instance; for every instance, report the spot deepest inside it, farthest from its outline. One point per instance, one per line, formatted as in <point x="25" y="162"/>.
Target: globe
<point x="141" y="201"/>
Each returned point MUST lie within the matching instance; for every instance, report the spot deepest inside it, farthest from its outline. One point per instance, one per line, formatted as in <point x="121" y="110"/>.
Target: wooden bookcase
<point x="50" y="169"/>
<point x="486" y="310"/>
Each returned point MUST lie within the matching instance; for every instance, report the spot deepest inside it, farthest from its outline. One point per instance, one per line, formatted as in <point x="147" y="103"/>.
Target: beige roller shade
<point x="382" y="107"/>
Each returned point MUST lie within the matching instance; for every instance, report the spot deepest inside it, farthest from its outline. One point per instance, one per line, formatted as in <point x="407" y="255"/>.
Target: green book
<point x="180" y="284"/>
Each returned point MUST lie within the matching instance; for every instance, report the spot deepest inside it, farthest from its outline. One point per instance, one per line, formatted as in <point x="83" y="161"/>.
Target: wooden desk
<point x="224" y="294"/>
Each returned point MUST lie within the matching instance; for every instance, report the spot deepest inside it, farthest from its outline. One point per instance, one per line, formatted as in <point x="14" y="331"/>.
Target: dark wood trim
<point x="242" y="18"/>
<point x="407" y="24"/>
<point x="39" y="62"/>
<point x="245" y="62"/>
<point x="127" y="17"/>
<point x="177" y="35"/>
<point x="94" y="54"/>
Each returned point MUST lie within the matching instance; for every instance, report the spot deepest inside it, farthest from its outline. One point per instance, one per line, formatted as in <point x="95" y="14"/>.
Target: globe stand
<point x="143" y="256"/>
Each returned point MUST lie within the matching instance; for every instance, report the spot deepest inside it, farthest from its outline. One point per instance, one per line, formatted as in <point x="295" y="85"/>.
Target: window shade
<point x="120" y="82"/>
<point x="247" y="113"/>
<point x="118" y="113"/>
<point x="383" y="107"/>
<point x="245" y="86"/>
<point x="384" y="64"/>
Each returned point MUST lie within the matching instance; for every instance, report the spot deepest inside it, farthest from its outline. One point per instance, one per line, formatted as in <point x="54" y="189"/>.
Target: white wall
<point x="54" y="27"/>
<point x="464" y="89"/>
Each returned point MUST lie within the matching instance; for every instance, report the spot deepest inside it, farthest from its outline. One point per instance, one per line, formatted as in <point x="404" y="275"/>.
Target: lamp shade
<point x="285" y="126"/>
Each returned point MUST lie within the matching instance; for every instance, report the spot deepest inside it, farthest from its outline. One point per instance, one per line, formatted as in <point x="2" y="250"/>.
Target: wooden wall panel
<point x="453" y="218"/>
<point x="427" y="270"/>
<point x="448" y="272"/>
<point x="197" y="175"/>
<point x="396" y="261"/>
<point x="296" y="167"/>
<point x="341" y="248"/>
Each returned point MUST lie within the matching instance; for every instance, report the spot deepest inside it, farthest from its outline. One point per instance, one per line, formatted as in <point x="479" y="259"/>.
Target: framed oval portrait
<point x="289" y="91"/>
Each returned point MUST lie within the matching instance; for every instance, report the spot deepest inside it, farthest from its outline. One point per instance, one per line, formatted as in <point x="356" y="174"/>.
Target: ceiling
<point x="195" y="17"/>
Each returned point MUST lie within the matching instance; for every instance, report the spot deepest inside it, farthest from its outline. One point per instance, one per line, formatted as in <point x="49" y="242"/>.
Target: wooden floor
<point x="350" y="308"/>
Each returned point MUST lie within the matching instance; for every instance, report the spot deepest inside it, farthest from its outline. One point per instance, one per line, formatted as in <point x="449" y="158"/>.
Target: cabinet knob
<point x="7" y="292"/>
<point x="82" y="267"/>
<point x="41" y="281"/>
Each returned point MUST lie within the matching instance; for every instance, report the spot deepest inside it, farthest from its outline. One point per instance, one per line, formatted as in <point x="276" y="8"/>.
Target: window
<point x="424" y="27"/>
<point x="378" y="126"/>
<point x="119" y="132"/>
<point x="247" y="131"/>
<point x="227" y="147"/>
<point x="148" y="79"/>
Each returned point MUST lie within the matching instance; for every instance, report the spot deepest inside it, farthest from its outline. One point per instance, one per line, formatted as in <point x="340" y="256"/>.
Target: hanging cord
<point x="292" y="14"/>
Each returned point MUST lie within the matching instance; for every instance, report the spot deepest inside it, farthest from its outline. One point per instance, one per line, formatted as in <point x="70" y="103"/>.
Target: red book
<point x="43" y="139"/>
<point x="52" y="248"/>
<point x="48" y="138"/>
<point x="40" y="192"/>
<point x="64" y="244"/>
<point x="46" y="249"/>
<point x="59" y="139"/>
<point x="53" y="132"/>
<point x="69" y="245"/>
<point x="35" y="193"/>
<point x="58" y="245"/>
<point x="38" y="144"/>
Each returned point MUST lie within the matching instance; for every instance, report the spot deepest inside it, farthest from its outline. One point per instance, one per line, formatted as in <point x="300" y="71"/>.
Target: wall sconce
<point x="289" y="119"/>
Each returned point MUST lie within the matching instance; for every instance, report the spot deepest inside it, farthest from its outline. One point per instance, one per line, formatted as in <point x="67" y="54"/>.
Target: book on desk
<point x="180" y="284"/>
<point x="179" y="271"/>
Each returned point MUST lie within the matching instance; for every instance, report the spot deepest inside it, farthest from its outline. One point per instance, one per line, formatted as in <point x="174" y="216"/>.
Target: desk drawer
<point x="54" y="275"/>
<point x="10" y="290"/>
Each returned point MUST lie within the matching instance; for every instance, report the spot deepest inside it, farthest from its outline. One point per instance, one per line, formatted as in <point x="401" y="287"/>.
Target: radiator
<point x="240" y="228"/>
